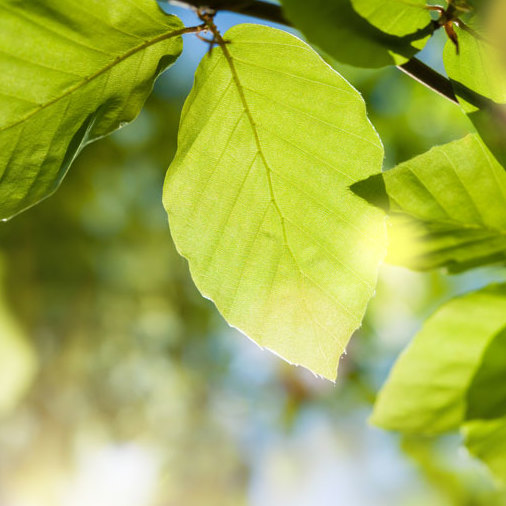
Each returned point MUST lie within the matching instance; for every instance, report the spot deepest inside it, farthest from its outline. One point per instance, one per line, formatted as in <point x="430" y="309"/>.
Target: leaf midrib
<point x="76" y="87"/>
<point x="456" y="225"/>
<point x="247" y="110"/>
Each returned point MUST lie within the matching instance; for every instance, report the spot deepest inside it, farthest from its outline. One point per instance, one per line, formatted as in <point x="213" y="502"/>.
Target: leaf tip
<point x="373" y="191"/>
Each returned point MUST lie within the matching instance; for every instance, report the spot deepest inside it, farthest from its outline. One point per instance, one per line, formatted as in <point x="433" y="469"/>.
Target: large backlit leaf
<point x="337" y="28"/>
<point x="494" y="27"/>
<point x="448" y="207"/>
<point x="426" y="391"/>
<point x="478" y="75"/>
<point x="258" y="201"/>
<point x="71" y="71"/>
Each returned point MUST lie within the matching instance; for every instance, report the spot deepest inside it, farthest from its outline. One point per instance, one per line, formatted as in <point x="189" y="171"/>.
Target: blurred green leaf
<point x="486" y="440"/>
<point x="495" y="14"/>
<point x="257" y="196"/>
<point x="71" y="72"/>
<point x="395" y="17"/>
<point x="425" y="453"/>
<point x="476" y="68"/>
<point x="479" y="79"/>
<point x="486" y="396"/>
<point x="339" y="30"/>
<point x="426" y="391"/>
<point x="448" y="207"/>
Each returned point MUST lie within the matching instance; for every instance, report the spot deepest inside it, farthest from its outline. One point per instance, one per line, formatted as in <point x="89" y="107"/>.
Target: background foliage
<point x="127" y="388"/>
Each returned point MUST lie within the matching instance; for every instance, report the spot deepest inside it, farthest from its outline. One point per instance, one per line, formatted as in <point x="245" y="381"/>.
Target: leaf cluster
<point x="276" y="195"/>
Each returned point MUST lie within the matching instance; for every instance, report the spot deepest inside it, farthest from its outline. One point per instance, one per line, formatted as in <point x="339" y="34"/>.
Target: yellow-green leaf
<point x="486" y="440"/>
<point x="447" y="207"/>
<point x="486" y="395"/>
<point x="395" y="17"/>
<point x="271" y="137"/>
<point x="71" y="71"/>
<point x="426" y="392"/>
<point x="478" y="76"/>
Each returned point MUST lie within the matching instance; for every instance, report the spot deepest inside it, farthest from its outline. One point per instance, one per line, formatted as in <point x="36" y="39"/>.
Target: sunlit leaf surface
<point x="71" y="72"/>
<point x="395" y="17"/>
<point x="478" y="75"/>
<point x="258" y="200"/>
<point x="448" y="207"/>
<point x="426" y="391"/>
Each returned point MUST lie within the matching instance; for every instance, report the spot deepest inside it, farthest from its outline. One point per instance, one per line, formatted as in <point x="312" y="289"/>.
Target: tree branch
<point x="429" y="77"/>
<point x="271" y="12"/>
<point x="255" y="8"/>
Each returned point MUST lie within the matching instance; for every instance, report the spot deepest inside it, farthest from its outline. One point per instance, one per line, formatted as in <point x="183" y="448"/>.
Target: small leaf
<point x="395" y="17"/>
<point x="426" y="392"/>
<point x="258" y="200"/>
<point x="479" y="79"/>
<point x="71" y="71"/>
<point x="447" y="207"/>
<point x="338" y="29"/>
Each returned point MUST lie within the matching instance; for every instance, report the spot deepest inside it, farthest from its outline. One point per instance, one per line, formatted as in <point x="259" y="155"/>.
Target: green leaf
<point x="258" y="201"/>
<point x="486" y="396"/>
<point x="339" y="30"/>
<point x="475" y="69"/>
<point x="431" y="460"/>
<point x="486" y="440"/>
<point x="479" y="79"/>
<point x="71" y="71"/>
<point x="448" y="207"/>
<point x="427" y="387"/>
<point x="495" y="14"/>
<point x="395" y="17"/>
